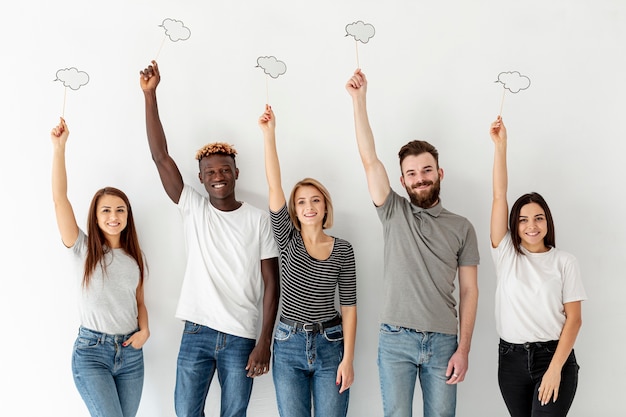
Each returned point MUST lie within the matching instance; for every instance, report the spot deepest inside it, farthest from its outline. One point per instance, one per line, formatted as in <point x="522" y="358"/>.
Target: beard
<point x="424" y="199"/>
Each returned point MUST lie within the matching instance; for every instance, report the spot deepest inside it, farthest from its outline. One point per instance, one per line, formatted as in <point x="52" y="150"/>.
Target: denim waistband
<point x="551" y="344"/>
<point x="104" y="337"/>
<point x="312" y="327"/>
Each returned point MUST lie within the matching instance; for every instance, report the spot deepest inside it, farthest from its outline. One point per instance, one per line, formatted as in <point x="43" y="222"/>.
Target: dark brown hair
<point x="549" y="239"/>
<point x="418" y="147"/>
<point x="97" y="243"/>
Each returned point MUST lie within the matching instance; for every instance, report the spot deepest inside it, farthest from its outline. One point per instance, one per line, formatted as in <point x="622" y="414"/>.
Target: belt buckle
<point x="308" y="327"/>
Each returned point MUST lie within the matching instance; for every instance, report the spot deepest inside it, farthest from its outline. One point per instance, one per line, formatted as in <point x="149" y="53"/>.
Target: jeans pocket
<point x="503" y="349"/>
<point x="85" y="343"/>
<point x="191" y="328"/>
<point x="283" y="332"/>
<point x="334" y="334"/>
<point x="549" y="349"/>
<point x="390" y="329"/>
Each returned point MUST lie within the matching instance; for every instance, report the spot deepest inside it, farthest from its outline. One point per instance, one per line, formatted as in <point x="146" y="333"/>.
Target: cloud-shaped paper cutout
<point x="175" y="30"/>
<point x="72" y="78"/>
<point x="271" y="66"/>
<point x="360" y="31"/>
<point x="513" y="81"/>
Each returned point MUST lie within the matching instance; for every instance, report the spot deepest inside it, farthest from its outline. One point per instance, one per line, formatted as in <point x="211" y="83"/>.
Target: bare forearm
<point x="349" y="323"/>
<point x="154" y="128"/>
<point x="142" y="317"/>
<point x="272" y="172"/>
<point x="468" y="306"/>
<point x="59" y="174"/>
<point x="500" y="175"/>
<point x="270" y="309"/>
<point x="377" y="179"/>
<point x="566" y="341"/>
<point x="364" y="134"/>
<point x="269" y="270"/>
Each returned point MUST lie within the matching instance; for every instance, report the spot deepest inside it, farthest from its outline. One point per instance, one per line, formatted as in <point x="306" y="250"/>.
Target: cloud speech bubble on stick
<point x="175" y="30"/>
<point x="271" y="66"/>
<point x="72" y="78"/>
<point x="361" y="32"/>
<point x="513" y="81"/>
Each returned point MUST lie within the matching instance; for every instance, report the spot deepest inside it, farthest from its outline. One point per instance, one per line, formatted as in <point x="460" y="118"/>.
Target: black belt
<point x="530" y="345"/>
<point x="312" y="327"/>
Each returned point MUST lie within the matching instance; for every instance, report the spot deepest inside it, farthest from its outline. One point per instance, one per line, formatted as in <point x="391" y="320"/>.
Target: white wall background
<point x="431" y="66"/>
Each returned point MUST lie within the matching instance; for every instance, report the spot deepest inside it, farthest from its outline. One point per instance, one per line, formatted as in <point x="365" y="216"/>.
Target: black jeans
<point x="520" y="369"/>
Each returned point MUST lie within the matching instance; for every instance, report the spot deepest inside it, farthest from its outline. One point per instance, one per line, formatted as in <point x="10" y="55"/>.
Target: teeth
<point x="218" y="185"/>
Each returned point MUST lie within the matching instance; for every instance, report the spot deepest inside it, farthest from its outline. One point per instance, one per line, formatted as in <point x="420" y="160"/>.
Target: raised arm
<point x="499" y="206"/>
<point x="168" y="171"/>
<point x="267" y="122"/>
<point x="66" y="221"/>
<point x="377" y="179"/>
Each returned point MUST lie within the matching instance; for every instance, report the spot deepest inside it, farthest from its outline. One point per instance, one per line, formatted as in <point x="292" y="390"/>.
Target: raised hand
<point x="498" y="131"/>
<point x="60" y="133"/>
<point x="267" y="121"/>
<point x="150" y="77"/>
<point x="357" y="84"/>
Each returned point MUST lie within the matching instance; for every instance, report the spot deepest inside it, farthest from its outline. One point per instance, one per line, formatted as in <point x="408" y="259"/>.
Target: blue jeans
<point x="109" y="376"/>
<point x="305" y="365"/>
<point x="202" y="352"/>
<point x="406" y="354"/>
<point x="520" y="370"/>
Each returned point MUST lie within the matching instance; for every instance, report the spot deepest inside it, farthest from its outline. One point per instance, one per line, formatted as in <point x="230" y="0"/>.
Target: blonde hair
<point x="221" y="148"/>
<point x="327" y="223"/>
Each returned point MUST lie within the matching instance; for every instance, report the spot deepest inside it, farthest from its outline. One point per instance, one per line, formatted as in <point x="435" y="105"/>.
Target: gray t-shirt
<point x="423" y="250"/>
<point x="109" y="303"/>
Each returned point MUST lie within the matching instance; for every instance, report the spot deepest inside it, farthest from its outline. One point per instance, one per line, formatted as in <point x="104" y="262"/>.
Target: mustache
<point x="422" y="183"/>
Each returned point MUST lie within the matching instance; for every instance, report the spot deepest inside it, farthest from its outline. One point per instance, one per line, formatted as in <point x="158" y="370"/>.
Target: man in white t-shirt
<point x="231" y="266"/>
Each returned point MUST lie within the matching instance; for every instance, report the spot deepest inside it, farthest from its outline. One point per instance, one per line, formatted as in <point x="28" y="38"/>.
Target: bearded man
<point x="425" y="247"/>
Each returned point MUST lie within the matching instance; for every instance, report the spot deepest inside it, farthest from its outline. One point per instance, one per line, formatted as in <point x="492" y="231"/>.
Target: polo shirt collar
<point x="434" y="211"/>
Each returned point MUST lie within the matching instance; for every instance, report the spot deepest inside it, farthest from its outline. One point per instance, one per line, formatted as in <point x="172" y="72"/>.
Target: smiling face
<point x="532" y="227"/>
<point x="218" y="173"/>
<point x="421" y="178"/>
<point x="310" y="206"/>
<point x="112" y="217"/>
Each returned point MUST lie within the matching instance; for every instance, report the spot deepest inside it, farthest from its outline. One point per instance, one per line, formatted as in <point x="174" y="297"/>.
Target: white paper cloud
<point x="271" y="66"/>
<point x="362" y="32"/>
<point x="72" y="78"/>
<point x="175" y="30"/>
<point x="513" y="81"/>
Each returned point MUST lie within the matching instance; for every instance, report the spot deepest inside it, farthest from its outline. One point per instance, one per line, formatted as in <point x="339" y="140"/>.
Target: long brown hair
<point x="549" y="240"/>
<point x="97" y="243"/>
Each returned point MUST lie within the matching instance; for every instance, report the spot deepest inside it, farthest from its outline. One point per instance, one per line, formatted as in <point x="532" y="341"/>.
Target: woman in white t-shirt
<point x="107" y="360"/>
<point x="538" y="300"/>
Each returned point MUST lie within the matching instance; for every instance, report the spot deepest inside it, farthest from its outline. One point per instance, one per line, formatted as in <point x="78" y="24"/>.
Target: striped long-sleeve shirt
<point x="308" y="284"/>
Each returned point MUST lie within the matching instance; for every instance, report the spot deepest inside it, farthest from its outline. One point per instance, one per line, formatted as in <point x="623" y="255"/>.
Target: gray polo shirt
<point x="423" y="250"/>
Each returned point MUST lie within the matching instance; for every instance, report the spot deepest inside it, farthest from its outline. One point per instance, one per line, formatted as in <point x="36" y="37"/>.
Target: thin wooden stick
<point x="64" y="96"/>
<point x="267" y="89"/>
<point x="356" y="46"/>
<point x="160" y="47"/>
<point x="502" y="103"/>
